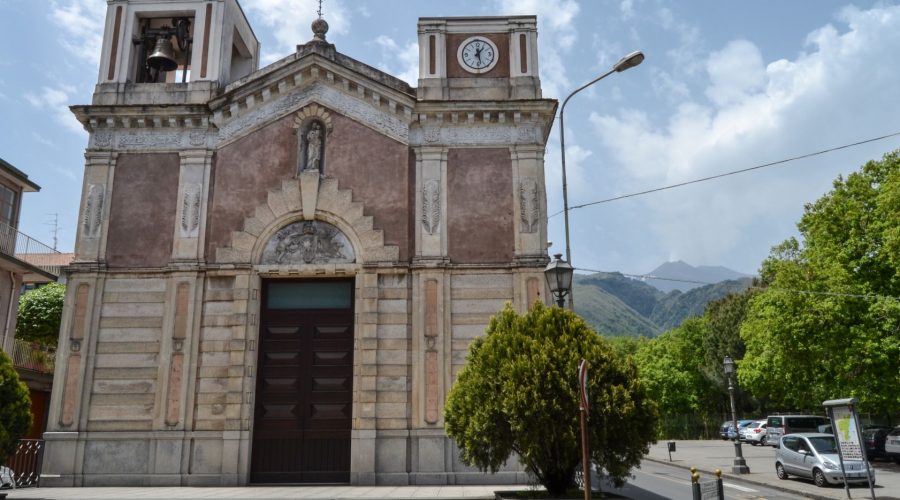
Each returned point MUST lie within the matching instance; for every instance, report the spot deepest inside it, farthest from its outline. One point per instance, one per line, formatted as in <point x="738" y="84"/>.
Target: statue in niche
<point x="312" y="147"/>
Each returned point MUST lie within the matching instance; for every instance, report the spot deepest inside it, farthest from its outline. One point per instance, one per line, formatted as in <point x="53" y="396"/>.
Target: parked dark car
<point x="874" y="438"/>
<point x="727" y="431"/>
<point x="724" y="429"/>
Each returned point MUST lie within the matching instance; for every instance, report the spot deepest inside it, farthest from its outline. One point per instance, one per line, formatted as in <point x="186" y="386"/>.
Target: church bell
<point x="163" y="56"/>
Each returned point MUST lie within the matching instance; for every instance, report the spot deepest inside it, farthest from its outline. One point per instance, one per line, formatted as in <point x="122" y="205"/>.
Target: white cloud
<point x="43" y="140"/>
<point x="290" y="20"/>
<point x="68" y="173"/>
<point x="735" y="72"/>
<point x="81" y="23"/>
<point x="556" y="24"/>
<point x="55" y="101"/>
<point x="626" y="8"/>
<point x="666" y="86"/>
<point x="840" y="90"/>
<point x="685" y="56"/>
<point x="400" y="61"/>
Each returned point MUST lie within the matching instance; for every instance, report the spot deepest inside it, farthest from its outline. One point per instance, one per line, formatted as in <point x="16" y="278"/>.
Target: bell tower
<point x="188" y="41"/>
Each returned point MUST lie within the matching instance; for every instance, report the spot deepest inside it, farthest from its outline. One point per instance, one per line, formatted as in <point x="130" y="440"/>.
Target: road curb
<point x="736" y="477"/>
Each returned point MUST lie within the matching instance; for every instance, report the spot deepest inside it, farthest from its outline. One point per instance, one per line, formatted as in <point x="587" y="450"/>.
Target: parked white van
<point x="779" y="425"/>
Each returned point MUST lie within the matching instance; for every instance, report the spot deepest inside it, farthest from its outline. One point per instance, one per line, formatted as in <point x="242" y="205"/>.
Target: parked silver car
<point x="814" y="456"/>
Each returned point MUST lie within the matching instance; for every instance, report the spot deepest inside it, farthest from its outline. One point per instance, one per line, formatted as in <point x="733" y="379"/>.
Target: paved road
<point x="265" y="492"/>
<point x="717" y="454"/>
<point x="657" y="481"/>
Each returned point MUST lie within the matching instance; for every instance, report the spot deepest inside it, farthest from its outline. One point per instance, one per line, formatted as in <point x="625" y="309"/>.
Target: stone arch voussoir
<point x="284" y="206"/>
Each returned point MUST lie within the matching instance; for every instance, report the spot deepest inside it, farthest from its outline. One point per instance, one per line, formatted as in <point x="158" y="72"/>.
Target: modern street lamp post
<point x="629" y="61"/>
<point x="740" y="465"/>
<point x="559" y="278"/>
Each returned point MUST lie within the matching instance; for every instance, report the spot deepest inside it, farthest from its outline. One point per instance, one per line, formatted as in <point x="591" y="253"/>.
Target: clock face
<point x="477" y="55"/>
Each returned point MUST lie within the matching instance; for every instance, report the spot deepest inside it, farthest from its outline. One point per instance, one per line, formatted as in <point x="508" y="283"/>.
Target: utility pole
<point x="55" y="231"/>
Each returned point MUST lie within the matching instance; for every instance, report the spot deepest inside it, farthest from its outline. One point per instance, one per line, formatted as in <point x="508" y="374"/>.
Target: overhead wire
<point x="726" y="174"/>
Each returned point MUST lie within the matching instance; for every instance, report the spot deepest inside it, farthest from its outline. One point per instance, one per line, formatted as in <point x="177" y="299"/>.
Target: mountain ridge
<point x="617" y="305"/>
<point x="692" y="276"/>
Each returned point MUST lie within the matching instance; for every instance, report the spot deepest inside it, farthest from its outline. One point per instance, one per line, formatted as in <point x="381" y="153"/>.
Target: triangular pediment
<point x="358" y="91"/>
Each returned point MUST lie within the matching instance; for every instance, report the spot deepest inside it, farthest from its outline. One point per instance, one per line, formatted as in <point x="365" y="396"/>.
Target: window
<point x="791" y="442"/>
<point x="824" y="444"/>
<point x="7" y="205"/>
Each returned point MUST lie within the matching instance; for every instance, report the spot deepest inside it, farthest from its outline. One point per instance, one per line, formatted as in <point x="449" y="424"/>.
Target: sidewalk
<point x="268" y="492"/>
<point x="709" y="455"/>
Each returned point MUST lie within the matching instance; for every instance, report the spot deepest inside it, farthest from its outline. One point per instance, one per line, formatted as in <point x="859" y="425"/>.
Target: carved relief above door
<point x="308" y="242"/>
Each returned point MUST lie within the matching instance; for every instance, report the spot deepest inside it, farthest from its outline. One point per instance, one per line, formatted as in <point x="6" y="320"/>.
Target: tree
<point x="15" y="408"/>
<point x="40" y="312"/>
<point x="671" y="366"/>
<point x="828" y="323"/>
<point x="519" y="393"/>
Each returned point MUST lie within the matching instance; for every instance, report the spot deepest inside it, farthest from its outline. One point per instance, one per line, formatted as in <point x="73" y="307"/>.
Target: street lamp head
<point x="559" y="278"/>
<point x="629" y="61"/>
<point x="729" y="366"/>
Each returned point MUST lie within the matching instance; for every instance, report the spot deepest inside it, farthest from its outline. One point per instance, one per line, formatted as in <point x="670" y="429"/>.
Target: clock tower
<point x="478" y="58"/>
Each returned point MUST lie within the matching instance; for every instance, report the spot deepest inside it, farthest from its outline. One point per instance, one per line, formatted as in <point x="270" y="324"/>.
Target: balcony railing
<point x="33" y="356"/>
<point x="27" y="249"/>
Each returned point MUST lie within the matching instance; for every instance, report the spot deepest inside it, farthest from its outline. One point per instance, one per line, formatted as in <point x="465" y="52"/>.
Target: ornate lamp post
<point x="629" y="61"/>
<point x="559" y="278"/>
<point x="740" y="465"/>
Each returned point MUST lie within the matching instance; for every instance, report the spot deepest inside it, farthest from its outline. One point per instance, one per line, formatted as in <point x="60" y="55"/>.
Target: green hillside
<point x="677" y="307"/>
<point x="607" y="313"/>
<point x="618" y="306"/>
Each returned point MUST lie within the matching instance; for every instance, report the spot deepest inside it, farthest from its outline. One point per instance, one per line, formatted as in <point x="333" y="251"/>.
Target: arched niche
<point x="308" y="242"/>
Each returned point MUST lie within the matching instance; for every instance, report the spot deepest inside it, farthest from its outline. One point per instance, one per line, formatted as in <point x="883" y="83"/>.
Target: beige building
<point x="278" y="271"/>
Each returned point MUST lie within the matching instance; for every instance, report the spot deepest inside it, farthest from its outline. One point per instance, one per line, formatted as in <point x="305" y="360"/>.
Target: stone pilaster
<point x="430" y="361"/>
<point x="96" y="193"/>
<point x="530" y="202"/>
<point x="365" y="374"/>
<point x="431" y="204"/>
<point x="193" y="195"/>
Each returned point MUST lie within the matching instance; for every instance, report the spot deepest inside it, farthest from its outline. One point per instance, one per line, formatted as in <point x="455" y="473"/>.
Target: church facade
<point x="278" y="271"/>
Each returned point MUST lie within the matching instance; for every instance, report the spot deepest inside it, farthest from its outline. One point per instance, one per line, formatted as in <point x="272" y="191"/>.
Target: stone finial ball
<point x="319" y="28"/>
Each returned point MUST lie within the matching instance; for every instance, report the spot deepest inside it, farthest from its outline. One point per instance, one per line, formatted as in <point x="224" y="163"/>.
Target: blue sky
<point x="726" y="85"/>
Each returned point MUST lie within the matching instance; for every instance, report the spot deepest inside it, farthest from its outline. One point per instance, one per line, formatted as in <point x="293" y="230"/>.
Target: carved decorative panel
<point x="431" y="308"/>
<point x="529" y="205"/>
<point x="181" y="310"/>
<point x="190" y="211"/>
<point x="173" y="399"/>
<point x="70" y="390"/>
<point x="92" y="218"/>
<point x="431" y="387"/>
<point x="81" y="299"/>
<point x="431" y="206"/>
<point x="533" y="291"/>
<point x="308" y="242"/>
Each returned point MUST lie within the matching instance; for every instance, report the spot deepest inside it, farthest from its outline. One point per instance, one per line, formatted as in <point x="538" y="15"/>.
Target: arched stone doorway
<point x="304" y="390"/>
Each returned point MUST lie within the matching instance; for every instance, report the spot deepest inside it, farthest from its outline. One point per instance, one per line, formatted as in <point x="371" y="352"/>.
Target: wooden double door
<point x="304" y="390"/>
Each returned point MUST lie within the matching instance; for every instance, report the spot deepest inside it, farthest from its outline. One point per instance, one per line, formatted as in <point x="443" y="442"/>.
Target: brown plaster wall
<point x="142" y="210"/>
<point x="244" y="173"/>
<point x="479" y="206"/>
<point x="376" y="168"/>
<point x="501" y="70"/>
